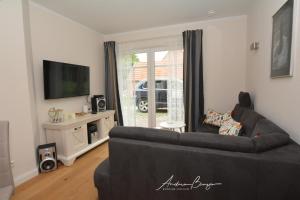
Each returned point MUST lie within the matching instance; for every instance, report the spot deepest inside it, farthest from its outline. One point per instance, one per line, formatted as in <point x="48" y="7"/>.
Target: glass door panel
<point x="140" y="79"/>
<point x="151" y="87"/>
<point x="169" y="86"/>
<point x="133" y="88"/>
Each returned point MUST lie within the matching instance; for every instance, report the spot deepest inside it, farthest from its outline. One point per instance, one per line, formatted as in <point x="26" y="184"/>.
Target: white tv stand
<point x="71" y="136"/>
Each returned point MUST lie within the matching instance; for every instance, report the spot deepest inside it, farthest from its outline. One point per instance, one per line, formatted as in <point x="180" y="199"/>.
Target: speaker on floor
<point x="98" y="103"/>
<point x="47" y="157"/>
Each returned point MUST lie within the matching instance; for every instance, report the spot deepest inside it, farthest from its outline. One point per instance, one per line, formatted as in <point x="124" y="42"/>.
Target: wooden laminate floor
<point x="66" y="183"/>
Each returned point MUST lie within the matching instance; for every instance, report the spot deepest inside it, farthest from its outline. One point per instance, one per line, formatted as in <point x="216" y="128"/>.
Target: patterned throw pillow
<point x="216" y="119"/>
<point x="230" y="127"/>
<point x="226" y="117"/>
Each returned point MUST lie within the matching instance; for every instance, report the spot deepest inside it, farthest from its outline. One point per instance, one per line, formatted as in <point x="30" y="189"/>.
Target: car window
<point x="175" y="84"/>
<point x="145" y="85"/>
<point x="161" y="84"/>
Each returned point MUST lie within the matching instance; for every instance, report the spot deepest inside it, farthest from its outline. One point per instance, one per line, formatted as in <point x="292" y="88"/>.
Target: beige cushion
<point x="214" y="118"/>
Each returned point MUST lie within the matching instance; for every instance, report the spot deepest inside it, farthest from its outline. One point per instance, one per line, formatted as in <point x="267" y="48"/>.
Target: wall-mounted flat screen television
<point x="63" y="80"/>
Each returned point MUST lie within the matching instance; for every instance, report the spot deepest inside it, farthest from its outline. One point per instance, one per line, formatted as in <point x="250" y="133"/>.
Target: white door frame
<point x="151" y="89"/>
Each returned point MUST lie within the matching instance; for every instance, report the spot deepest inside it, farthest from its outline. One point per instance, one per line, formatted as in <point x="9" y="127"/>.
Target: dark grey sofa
<point x="262" y="164"/>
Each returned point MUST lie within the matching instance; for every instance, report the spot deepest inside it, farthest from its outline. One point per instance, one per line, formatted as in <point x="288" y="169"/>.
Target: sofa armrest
<point x="214" y="141"/>
<point x="267" y="142"/>
<point x="101" y="174"/>
<point x="102" y="180"/>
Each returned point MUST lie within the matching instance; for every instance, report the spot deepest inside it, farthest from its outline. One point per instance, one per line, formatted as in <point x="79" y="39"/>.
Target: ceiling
<point x="115" y="16"/>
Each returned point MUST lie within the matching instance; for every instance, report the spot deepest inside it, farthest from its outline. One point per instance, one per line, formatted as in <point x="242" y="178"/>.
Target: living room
<point x="170" y="75"/>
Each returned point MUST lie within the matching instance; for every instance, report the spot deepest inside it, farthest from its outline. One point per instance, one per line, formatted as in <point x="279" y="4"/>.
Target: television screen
<point x="65" y="80"/>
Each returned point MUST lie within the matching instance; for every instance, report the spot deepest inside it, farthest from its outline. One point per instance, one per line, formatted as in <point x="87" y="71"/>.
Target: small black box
<point x="92" y="132"/>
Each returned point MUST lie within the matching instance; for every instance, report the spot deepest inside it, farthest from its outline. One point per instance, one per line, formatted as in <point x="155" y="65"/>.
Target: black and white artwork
<point x="282" y="41"/>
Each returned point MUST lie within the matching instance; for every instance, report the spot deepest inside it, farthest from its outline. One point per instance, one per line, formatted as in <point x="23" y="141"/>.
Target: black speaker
<point x="98" y="104"/>
<point x="47" y="157"/>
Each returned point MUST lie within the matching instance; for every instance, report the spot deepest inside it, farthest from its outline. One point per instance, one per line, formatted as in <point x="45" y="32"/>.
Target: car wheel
<point x="143" y="106"/>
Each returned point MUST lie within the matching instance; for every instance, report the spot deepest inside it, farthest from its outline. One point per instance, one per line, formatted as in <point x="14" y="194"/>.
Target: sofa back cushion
<point x="146" y="134"/>
<point x="237" y="112"/>
<point x="245" y="100"/>
<point x="214" y="141"/>
<point x="255" y="144"/>
<point x="248" y="120"/>
<point x="270" y="141"/>
<point x="265" y="126"/>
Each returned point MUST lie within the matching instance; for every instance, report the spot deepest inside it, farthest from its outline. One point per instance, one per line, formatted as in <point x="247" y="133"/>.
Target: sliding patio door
<point x="150" y="77"/>
<point x="169" y="85"/>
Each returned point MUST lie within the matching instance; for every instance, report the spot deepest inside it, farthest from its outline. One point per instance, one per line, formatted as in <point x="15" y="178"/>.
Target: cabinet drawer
<point x="77" y="139"/>
<point x="107" y="124"/>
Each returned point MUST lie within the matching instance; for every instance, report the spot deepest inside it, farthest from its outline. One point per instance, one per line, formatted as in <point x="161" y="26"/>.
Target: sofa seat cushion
<point x="270" y="141"/>
<point x="147" y="134"/>
<point x="6" y="192"/>
<point x="214" y="141"/>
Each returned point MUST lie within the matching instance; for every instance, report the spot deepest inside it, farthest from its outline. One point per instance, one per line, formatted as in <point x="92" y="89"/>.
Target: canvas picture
<point x="282" y="41"/>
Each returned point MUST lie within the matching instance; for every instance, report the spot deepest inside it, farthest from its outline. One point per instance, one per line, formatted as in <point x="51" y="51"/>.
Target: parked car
<point x="161" y="94"/>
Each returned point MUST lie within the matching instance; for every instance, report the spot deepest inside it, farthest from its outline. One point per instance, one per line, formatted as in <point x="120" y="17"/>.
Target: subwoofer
<point x="47" y="157"/>
<point x="98" y="103"/>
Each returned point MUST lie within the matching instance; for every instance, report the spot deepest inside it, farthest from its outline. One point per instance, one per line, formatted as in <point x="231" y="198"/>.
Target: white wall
<point x="57" y="38"/>
<point x="224" y="45"/>
<point x="277" y="99"/>
<point x="15" y="100"/>
<point x="28" y="35"/>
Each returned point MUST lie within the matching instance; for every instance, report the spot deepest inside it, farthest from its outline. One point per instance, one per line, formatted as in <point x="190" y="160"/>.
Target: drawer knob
<point x="76" y="129"/>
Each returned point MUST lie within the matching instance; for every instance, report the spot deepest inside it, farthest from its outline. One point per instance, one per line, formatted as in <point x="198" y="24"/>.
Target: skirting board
<point x="26" y="176"/>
